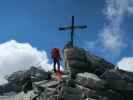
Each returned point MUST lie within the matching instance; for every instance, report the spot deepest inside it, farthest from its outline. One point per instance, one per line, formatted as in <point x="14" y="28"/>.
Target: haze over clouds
<point x="16" y="56"/>
<point x="112" y="37"/>
<point x="112" y="34"/>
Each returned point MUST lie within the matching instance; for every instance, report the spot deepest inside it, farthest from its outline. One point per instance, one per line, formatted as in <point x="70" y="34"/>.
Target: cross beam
<point x="72" y="28"/>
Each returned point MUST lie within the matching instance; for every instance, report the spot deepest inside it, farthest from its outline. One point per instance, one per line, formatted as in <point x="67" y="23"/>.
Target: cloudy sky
<point x="29" y="30"/>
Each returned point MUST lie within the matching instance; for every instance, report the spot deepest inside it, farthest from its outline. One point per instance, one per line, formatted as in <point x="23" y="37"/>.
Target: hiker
<point x="56" y="58"/>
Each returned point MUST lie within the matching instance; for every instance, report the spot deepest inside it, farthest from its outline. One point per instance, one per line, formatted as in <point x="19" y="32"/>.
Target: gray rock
<point x="84" y="61"/>
<point x="37" y="74"/>
<point x="101" y="94"/>
<point x="117" y="80"/>
<point x="17" y="80"/>
<point x="70" y="93"/>
<point x="47" y="84"/>
<point x="76" y="64"/>
<point x="90" y="80"/>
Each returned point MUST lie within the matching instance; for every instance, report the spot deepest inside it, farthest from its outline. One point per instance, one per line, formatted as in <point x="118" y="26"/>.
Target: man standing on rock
<point x="56" y="58"/>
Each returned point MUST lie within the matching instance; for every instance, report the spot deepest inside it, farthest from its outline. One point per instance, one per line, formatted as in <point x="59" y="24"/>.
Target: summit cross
<point x="72" y="27"/>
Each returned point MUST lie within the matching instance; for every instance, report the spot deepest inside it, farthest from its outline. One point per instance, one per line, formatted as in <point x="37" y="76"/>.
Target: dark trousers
<point x="56" y="61"/>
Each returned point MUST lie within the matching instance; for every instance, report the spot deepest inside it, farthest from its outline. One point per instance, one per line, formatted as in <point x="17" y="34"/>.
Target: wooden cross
<point x="72" y="28"/>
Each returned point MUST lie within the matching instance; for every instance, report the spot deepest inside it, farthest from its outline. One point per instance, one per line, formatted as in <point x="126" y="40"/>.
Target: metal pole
<point x="72" y="31"/>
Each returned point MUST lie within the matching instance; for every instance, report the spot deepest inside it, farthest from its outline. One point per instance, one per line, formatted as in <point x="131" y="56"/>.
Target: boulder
<point x="37" y="74"/>
<point x="22" y="96"/>
<point x="90" y="80"/>
<point x="75" y="53"/>
<point x="70" y="93"/>
<point x="78" y="58"/>
<point x="47" y="84"/>
<point x="17" y="79"/>
<point x="101" y="94"/>
<point x="117" y="80"/>
<point x="76" y="64"/>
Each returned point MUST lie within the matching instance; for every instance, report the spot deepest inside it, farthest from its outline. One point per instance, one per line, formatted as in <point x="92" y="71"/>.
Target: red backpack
<point x="56" y="53"/>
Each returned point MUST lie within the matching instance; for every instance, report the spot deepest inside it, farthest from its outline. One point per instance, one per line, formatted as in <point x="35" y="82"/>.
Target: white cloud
<point x="16" y="56"/>
<point x="111" y="41"/>
<point x="112" y="34"/>
<point x="111" y="37"/>
<point x="126" y="63"/>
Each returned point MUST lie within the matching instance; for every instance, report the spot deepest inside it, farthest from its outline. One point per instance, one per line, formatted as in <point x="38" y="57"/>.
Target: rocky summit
<point x="78" y="60"/>
<point x="85" y="77"/>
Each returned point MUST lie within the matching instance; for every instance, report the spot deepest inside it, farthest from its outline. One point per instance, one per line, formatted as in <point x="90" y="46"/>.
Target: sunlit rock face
<point x="79" y="60"/>
<point x="90" y="80"/>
